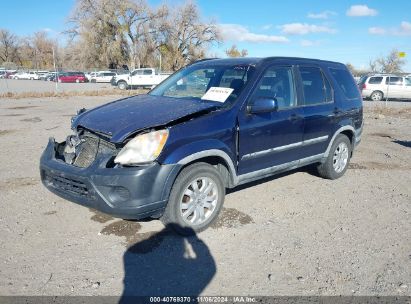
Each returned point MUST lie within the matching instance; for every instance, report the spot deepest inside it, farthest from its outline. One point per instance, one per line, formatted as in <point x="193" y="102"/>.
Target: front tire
<point x="196" y="199"/>
<point x="338" y="158"/>
<point x="122" y="85"/>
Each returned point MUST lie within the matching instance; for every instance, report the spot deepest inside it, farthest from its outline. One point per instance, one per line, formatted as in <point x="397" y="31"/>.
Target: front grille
<point x="65" y="184"/>
<point x="91" y="146"/>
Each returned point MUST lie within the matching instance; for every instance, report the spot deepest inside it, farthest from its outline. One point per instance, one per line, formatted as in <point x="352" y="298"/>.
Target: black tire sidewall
<point x="122" y="85"/>
<point x="330" y="168"/>
<point x="173" y="215"/>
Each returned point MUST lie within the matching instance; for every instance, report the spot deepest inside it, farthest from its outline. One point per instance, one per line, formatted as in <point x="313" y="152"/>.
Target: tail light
<point x="363" y="86"/>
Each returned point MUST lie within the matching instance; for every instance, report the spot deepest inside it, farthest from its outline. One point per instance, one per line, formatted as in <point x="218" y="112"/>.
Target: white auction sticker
<point x="217" y="94"/>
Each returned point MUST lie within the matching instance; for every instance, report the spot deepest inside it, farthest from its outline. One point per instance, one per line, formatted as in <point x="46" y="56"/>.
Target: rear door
<point x="407" y="88"/>
<point x="273" y="138"/>
<point x="319" y="110"/>
<point x="394" y="87"/>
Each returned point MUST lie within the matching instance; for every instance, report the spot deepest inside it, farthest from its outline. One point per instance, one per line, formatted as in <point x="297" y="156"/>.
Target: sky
<point x="346" y="31"/>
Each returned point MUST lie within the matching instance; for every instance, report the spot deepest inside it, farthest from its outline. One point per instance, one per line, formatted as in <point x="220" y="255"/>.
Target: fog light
<point x="119" y="194"/>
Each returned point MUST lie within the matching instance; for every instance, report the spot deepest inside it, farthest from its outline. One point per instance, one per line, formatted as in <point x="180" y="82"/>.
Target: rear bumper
<point x="129" y="193"/>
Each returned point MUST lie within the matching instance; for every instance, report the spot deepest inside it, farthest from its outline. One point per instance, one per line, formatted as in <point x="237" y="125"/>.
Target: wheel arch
<point x="217" y="158"/>
<point x="348" y="131"/>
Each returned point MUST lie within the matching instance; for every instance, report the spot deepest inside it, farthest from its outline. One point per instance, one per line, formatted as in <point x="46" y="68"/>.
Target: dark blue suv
<point x="213" y="125"/>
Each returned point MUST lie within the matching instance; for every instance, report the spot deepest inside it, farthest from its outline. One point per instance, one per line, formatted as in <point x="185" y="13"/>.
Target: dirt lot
<point x="295" y="234"/>
<point x="21" y="86"/>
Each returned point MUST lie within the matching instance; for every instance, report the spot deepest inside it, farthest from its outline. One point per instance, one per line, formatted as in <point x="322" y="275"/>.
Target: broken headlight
<point x="143" y="148"/>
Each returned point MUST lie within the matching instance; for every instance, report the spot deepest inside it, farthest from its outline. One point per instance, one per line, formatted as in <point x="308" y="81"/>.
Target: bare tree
<point x="235" y="52"/>
<point x="390" y="63"/>
<point x="186" y="37"/>
<point x="9" y="44"/>
<point x="97" y="25"/>
<point x="356" y="72"/>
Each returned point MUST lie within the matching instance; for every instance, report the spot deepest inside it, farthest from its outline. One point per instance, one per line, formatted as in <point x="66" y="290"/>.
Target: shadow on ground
<point x="167" y="264"/>
<point x="405" y="143"/>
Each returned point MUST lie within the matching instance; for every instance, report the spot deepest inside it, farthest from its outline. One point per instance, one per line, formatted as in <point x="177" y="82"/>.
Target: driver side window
<point x="277" y="83"/>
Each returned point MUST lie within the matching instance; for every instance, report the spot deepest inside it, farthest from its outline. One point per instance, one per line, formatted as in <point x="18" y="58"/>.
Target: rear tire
<point x="376" y="96"/>
<point x="338" y="158"/>
<point x="196" y="199"/>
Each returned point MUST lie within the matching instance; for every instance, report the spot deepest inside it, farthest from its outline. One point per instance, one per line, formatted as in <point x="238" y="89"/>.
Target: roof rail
<point x="204" y="59"/>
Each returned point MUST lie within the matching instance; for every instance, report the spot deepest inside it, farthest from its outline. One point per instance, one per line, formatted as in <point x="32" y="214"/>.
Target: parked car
<point x="41" y="74"/>
<point x="44" y="76"/>
<point x="52" y="76"/>
<point x="90" y="75"/>
<point x="139" y="78"/>
<point x="103" y="77"/>
<point x="2" y="73"/>
<point x="26" y="75"/>
<point x="72" y="77"/>
<point x="172" y="153"/>
<point x="379" y="86"/>
<point x="10" y="74"/>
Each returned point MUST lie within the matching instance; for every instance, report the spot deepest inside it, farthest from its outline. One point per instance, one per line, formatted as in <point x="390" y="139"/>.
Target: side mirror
<point x="263" y="105"/>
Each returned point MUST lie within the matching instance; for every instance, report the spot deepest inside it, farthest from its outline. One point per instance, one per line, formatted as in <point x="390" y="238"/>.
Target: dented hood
<point x="121" y="118"/>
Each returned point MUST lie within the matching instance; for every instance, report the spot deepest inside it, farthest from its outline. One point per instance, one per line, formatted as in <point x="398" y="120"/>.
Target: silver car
<point x="380" y="86"/>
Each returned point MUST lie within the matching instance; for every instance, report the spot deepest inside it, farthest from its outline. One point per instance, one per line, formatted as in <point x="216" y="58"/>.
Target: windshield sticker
<point x="217" y="94"/>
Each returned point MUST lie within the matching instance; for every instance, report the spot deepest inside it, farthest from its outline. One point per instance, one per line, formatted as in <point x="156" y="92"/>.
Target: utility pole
<point x="55" y="70"/>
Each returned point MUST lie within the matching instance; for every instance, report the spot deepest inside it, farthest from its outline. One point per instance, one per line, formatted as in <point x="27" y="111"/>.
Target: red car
<point x="9" y="75"/>
<point x="72" y="77"/>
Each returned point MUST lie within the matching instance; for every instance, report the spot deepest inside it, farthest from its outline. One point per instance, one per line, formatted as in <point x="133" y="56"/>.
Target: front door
<point x="274" y="138"/>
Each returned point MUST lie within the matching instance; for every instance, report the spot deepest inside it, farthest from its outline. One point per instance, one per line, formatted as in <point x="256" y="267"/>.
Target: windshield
<point x="221" y="83"/>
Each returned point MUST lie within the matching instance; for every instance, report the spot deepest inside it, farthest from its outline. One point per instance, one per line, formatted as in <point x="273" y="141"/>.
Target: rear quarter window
<point x="393" y="80"/>
<point x="346" y="83"/>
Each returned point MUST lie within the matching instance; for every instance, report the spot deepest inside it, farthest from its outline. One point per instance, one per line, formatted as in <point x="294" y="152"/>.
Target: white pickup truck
<point x="146" y="77"/>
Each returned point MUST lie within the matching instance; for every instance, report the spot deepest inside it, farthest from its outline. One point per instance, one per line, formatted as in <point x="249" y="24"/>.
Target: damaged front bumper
<point x="125" y="192"/>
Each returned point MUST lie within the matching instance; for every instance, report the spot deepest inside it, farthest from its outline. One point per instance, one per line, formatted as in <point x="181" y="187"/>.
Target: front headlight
<point x="143" y="148"/>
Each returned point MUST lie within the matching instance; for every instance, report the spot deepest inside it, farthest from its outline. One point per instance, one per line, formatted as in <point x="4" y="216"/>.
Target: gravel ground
<point x="294" y="234"/>
<point x="39" y="86"/>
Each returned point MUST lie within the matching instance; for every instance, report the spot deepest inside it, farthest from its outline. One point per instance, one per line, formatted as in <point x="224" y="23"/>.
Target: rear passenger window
<point x="346" y="83"/>
<point x="393" y="80"/>
<point x="277" y="83"/>
<point x="375" y="80"/>
<point x="317" y="89"/>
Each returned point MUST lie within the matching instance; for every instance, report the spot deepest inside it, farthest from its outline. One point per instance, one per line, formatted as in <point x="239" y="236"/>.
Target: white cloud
<point x="403" y="30"/>
<point x="361" y="11"/>
<point x="236" y="32"/>
<point x="377" y="30"/>
<point x="304" y="28"/>
<point x="266" y="27"/>
<point x="321" y="15"/>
